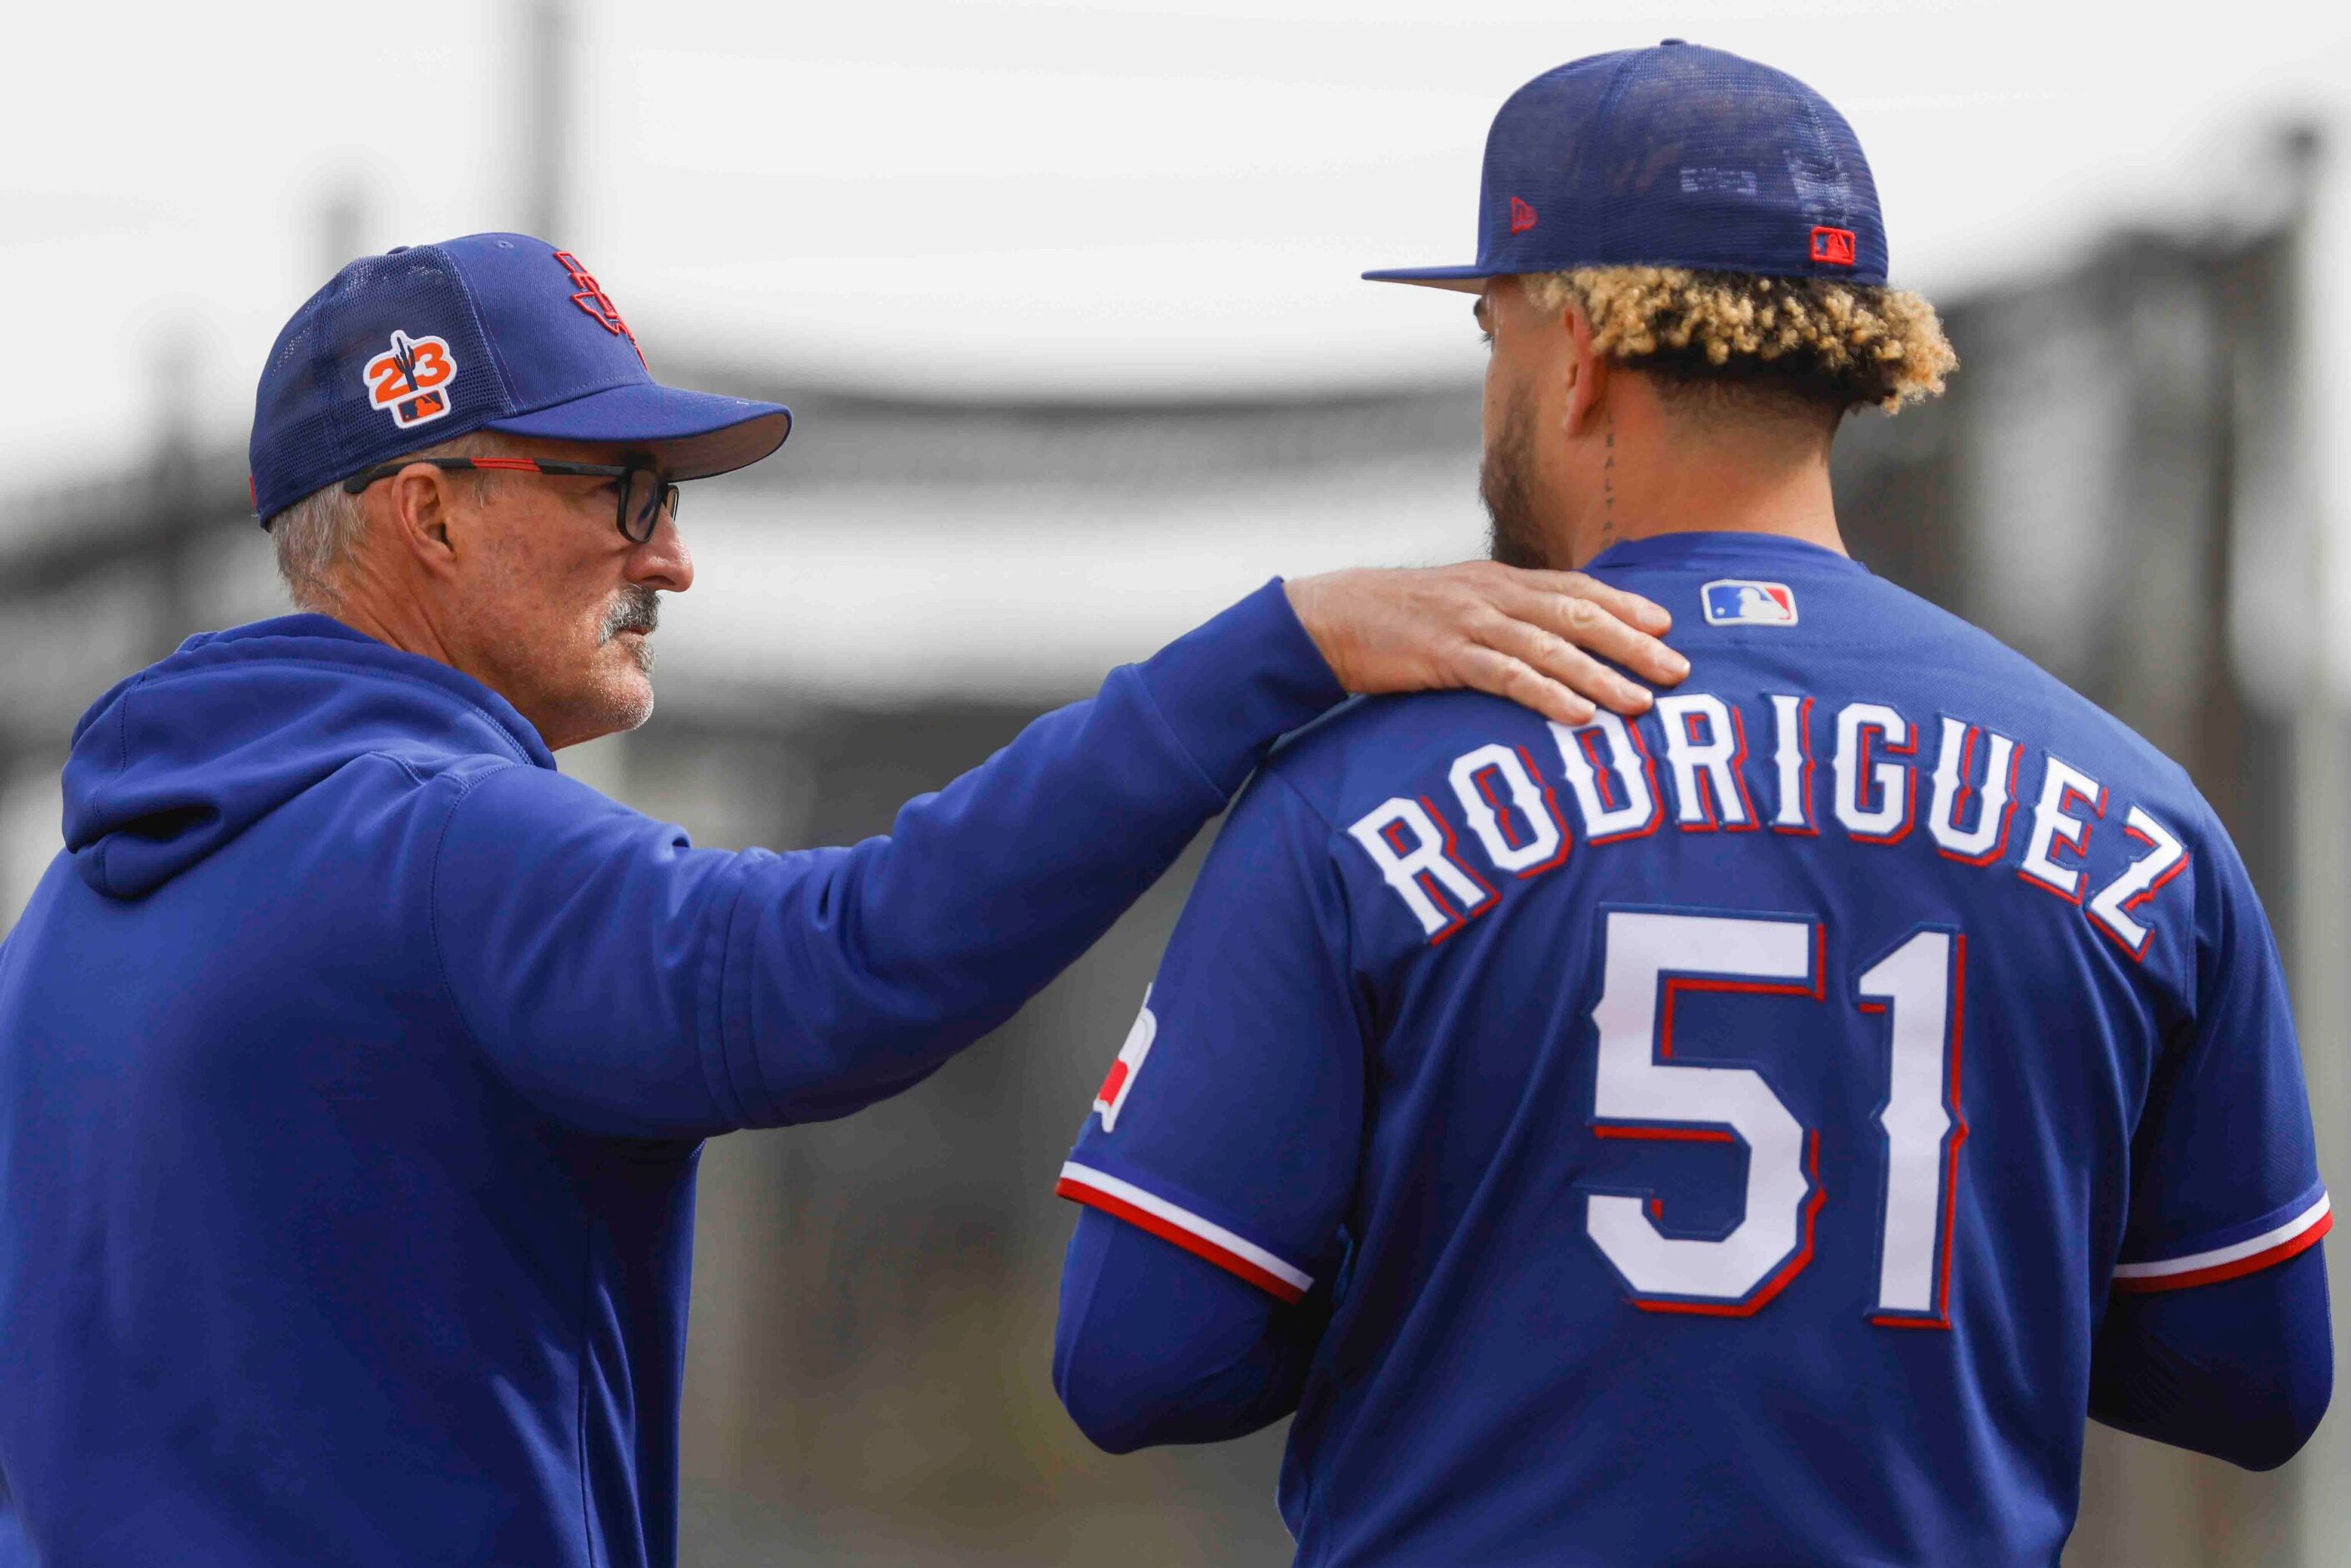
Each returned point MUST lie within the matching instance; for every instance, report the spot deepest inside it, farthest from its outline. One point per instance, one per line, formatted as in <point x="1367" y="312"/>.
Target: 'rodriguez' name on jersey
<point x="1501" y="791"/>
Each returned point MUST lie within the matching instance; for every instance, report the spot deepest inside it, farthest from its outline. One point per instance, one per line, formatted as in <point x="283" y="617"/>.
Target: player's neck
<point x="1660" y="481"/>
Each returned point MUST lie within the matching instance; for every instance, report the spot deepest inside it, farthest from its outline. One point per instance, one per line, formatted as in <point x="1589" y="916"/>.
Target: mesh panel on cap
<point x="313" y="421"/>
<point x="1742" y="161"/>
<point x="1678" y="156"/>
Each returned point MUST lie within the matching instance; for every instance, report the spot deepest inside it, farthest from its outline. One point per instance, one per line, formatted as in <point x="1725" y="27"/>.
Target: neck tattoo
<point x="1608" y="485"/>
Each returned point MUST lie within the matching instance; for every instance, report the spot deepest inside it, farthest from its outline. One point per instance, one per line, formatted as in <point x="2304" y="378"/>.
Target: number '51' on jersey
<point x="1719" y="1131"/>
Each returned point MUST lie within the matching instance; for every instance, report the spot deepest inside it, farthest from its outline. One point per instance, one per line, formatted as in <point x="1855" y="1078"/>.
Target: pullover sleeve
<point x="633" y="985"/>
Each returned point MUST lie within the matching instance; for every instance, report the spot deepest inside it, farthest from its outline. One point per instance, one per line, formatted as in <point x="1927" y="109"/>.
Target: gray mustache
<point x="635" y="610"/>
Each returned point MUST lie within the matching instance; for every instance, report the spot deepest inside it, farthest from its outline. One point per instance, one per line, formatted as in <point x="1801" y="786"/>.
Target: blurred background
<point x="1064" y="298"/>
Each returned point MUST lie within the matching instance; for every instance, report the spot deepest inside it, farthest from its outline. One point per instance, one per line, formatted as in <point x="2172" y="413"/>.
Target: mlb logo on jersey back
<point x="1733" y="601"/>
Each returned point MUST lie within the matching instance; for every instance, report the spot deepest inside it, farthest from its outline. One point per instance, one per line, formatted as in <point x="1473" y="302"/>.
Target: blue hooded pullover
<point x="354" y="1064"/>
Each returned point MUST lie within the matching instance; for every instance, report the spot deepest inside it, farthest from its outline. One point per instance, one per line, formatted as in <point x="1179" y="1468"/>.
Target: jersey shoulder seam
<point x="1282" y="777"/>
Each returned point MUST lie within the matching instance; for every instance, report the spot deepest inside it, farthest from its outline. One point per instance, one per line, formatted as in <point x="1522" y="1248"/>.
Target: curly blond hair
<point x="1825" y="340"/>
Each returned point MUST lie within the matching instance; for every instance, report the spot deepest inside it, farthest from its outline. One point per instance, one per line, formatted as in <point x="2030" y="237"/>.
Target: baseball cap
<point x="1672" y="156"/>
<point x="493" y="331"/>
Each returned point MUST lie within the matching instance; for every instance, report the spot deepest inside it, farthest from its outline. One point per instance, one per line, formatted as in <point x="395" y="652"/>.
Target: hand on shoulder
<point x="1538" y="638"/>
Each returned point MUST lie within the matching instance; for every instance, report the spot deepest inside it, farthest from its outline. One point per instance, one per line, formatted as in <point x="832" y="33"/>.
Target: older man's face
<point x="555" y="606"/>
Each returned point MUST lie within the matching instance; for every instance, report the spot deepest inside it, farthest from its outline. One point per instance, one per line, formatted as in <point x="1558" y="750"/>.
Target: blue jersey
<point x="1715" y="1138"/>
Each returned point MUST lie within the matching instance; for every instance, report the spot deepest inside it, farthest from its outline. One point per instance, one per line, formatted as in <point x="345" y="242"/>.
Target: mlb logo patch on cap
<point x="1735" y="601"/>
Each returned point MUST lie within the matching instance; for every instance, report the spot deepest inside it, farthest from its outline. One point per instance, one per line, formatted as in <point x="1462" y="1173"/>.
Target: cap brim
<point x="1460" y="279"/>
<point x="700" y="434"/>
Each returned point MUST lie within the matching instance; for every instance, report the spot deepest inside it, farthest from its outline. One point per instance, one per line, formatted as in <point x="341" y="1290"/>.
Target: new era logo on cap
<point x="1736" y="601"/>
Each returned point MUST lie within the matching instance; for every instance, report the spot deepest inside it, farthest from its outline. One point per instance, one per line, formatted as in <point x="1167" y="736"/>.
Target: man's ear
<point x="418" y="510"/>
<point x="1587" y="374"/>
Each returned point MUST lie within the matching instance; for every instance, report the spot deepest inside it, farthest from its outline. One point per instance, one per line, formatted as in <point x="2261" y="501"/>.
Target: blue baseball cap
<point x="493" y="331"/>
<point x="1675" y="156"/>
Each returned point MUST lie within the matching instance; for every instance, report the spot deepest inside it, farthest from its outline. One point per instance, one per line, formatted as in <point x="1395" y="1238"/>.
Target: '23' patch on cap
<point x="409" y="379"/>
<point x="1736" y="601"/>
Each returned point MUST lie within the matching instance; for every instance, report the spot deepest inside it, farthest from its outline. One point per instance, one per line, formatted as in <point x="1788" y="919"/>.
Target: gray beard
<point x="634" y="609"/>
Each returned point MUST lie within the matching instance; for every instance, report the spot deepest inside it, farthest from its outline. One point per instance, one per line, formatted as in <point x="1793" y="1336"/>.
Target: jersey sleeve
<point x="2225" y="1167"/>
<point x="2242" y="1370"/>
<point x="1153" y="1346"/>
<point x="1231" y="1122"/>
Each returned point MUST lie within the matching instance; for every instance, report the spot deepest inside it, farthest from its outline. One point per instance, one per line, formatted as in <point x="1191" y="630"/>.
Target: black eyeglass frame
<point x="664" y="498"/>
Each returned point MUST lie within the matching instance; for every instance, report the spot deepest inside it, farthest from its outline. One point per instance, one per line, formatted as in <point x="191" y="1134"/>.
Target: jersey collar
<point x="1774" y="552"/>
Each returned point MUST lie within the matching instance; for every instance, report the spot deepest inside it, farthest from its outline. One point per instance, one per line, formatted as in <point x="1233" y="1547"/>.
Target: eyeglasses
<point x="644" y="495"/>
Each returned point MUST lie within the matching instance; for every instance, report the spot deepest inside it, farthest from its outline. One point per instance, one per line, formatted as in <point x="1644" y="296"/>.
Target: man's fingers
<point x="1488" y="669"/>
<point x="1544" y="636"/>
<point x="1592" y="621"/>
<point x="1558" y="660"/>
<point x="1646" y="613"/>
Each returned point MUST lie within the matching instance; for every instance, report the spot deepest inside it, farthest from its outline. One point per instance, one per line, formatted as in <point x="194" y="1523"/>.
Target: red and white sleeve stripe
<point x="2273" y="1246"/>
<point x="1199" y="1236"/>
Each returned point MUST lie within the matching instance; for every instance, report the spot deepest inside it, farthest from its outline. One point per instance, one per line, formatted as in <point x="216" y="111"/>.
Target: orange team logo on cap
<point x="410" y="380"/>
<point x="593" y="299"/>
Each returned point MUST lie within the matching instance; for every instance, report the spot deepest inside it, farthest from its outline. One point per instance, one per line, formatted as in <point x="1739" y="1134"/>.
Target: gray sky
<point x="1114" y="197"/>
